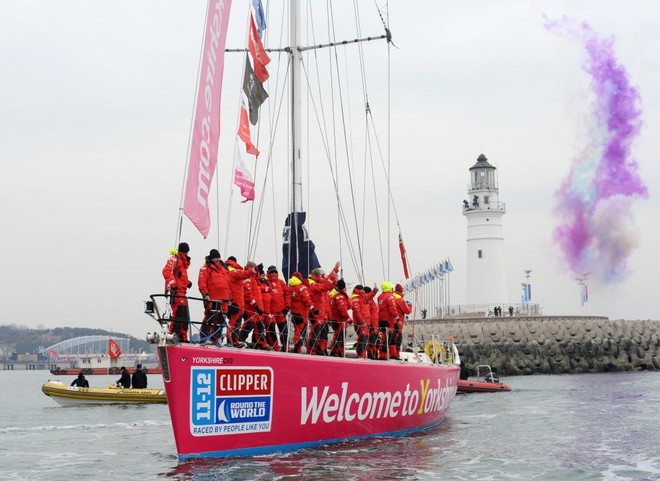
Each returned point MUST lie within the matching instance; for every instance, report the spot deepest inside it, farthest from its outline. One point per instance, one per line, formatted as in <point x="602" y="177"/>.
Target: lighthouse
<point x="486" y="273"/>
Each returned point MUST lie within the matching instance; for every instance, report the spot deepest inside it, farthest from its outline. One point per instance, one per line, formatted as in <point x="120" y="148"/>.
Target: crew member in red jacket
<point x="388" y="322"/>
<point x="175" y="273"/>
<point x="372" y="346"/>
<point x="280" y="304"/>
<point x="213" y="282"/>
<point x="254" y="308"/>
<point x="405" y="308"/>
<point x="301" y="306"/>
<point x="361" y="316"/>
<point x="320" y="286"/>
<point x="340" y="319"/>
<point x="235" y="311"/>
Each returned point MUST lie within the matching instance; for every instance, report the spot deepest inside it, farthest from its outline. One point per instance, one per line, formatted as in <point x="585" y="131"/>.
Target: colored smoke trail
<point x="597" y="232"/>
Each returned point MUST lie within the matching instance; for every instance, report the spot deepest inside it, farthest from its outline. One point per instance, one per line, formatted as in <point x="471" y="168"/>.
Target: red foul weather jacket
<point x="339" y="306"/>
<point x="403" y="306"/>
<point x="387" y="308"/>
<point x="236" y="277"/>
<point x="300" y="298"/>
<point x="319" y="290"/>
<point x="280" y="298"/>
<point x="175" y="273"/>
<point x="252" y="295"/>
<point x="213" y="280"/>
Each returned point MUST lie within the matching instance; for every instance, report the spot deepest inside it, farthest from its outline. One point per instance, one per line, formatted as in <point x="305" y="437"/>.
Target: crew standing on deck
<point x="388" y="322"/>
<point x="177" y="284"/>
<point x="301" y="306"/>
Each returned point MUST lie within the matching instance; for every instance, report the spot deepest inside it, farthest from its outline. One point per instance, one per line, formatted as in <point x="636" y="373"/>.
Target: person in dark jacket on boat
<point x="139" y="379"/>
<point x="80" y="381"/>
<point x="125" y="379"/>
<point x="465" y="372"/>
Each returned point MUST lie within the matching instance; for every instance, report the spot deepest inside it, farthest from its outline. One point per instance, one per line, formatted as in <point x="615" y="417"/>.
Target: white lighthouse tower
<point x="486" y="274"/>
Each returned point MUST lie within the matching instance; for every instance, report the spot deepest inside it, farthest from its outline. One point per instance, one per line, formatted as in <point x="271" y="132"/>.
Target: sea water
<point x="569" y="427"/>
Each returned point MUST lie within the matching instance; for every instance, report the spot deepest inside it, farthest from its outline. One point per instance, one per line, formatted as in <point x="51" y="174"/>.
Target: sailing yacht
<point x="227" y="401"/>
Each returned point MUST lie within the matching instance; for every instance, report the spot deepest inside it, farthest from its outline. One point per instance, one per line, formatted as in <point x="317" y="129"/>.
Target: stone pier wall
<point x="547" y="344"/>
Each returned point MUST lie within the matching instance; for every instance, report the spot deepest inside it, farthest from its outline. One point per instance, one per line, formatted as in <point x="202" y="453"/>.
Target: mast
<point x="296" y="108"/>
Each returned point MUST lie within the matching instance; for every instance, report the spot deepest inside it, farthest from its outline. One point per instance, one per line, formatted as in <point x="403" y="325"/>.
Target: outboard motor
<point x="492" y="377"/>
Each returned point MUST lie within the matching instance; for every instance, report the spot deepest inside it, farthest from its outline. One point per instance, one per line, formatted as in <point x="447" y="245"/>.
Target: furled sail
<point x="297" y="248"/>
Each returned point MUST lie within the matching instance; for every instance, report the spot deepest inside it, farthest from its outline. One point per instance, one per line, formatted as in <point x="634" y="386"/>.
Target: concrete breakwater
<point x="547" y="344"/>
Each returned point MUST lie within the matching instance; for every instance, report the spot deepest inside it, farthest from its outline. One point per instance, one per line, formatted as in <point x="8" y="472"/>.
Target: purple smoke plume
<point x="596" y="232"/>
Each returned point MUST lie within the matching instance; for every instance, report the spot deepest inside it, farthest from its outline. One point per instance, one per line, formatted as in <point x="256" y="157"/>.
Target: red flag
<point x="259" y="56"/>
<point x="114" y="351"/>
<point x="244" y="132"/>
<point x="402" y="249"/>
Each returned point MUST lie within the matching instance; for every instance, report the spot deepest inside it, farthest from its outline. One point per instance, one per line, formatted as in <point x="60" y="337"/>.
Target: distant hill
<point x="13" y="338"/>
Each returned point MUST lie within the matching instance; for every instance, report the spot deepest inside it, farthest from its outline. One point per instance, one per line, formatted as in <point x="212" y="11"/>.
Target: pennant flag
<point x="114" y="351"/>
<point x="254" y="91"/>
<point x="259" y="13"/>
<point x="244" y="131"/>
<point x="206" y="126"/>
<point x="402" y="249"/>
<point x="242" y="177"/>
<point x="259" y="56"/>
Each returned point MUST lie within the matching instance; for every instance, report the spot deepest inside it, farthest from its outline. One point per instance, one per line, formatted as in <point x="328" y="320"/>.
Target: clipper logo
<point x="227" y="400"/>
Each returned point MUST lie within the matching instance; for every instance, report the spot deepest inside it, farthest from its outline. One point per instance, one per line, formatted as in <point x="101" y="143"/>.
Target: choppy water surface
<point x="571" y="427"/>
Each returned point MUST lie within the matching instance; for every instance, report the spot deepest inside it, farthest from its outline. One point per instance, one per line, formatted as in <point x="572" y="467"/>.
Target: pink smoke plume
<point x="597" y="232"/>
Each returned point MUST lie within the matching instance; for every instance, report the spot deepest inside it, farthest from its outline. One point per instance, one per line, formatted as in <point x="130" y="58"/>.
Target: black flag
<point x="254" y="91"/>
<point x="298" y="249"/>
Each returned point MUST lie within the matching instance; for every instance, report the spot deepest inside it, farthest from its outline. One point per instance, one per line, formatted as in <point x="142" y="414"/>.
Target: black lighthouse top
<point x="482" y="163"/>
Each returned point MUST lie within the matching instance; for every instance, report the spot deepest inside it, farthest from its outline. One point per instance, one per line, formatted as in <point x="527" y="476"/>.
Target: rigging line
<point x="331" y="66"/>
<point x="389" y="189"/>
<point x="347" y="152"/>
<point x="365" y="94"/>
<point x="276" y="243"/>
<point x="379" y="227"/>
<point x="190" y="131"/>
<point x="343" y="224"/>
<point x="277" y="115"/>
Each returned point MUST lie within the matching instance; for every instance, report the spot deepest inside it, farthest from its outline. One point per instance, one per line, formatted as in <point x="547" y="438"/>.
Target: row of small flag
<point x="432" y="274"/>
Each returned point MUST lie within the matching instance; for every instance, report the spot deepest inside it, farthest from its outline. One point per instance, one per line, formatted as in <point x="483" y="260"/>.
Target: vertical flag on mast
<point x="206" y="128"/>
<point x="404" y="261"/>
<point x="242" y="177"/>
<point x="259" y="56"/>
<point x="244" y="131"/>
<point x="114" y="351"/>
<point x="254" y="91"/>
<point x="259" y="13"/>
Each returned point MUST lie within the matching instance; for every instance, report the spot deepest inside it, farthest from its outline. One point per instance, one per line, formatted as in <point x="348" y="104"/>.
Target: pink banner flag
<point x="206" y="128"/>
<point x="242" y="177"/>
<point x="244" y="131"/>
